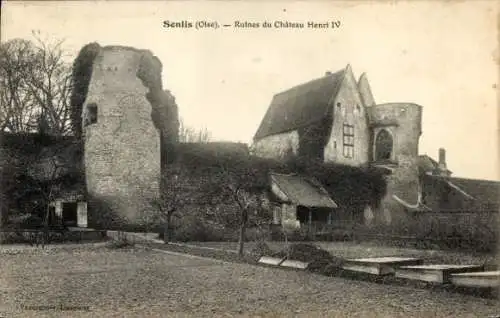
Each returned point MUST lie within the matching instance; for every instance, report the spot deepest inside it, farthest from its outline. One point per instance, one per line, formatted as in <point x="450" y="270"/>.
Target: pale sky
<point x="441" y="55"/>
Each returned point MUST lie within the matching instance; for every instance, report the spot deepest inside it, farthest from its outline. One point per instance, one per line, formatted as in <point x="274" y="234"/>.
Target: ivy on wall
<point x="353" y="188"/>
<point x="82" y="72"/>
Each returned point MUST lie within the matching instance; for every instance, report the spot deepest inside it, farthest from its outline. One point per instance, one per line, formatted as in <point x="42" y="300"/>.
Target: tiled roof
<point x="486" y="191"/>
<point x="300" y="106"/>
<point x="475" y="194"/>
<point x="301" y="191"/>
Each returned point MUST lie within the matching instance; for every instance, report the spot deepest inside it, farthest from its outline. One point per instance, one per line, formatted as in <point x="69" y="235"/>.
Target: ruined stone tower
<point x="123" y="119"/>
<point x="396" y="130"/>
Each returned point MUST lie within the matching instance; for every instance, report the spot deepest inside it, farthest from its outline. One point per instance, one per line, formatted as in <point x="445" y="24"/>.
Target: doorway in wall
<point x="70" y="213"/>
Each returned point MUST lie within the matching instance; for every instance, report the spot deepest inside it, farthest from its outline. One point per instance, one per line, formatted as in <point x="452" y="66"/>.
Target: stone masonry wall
<point x="348" y="109"/>
<point x="277" y="146"/>
<point x="403" y="122"/>
<point x="122" y="145"/>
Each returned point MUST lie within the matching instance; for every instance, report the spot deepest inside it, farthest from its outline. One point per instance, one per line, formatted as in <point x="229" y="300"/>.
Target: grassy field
<point x="95" y="281"/>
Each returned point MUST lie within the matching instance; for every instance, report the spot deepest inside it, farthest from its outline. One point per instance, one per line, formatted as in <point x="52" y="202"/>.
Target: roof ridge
<point x="311" y="81"/>
<point x="473" y="179"/>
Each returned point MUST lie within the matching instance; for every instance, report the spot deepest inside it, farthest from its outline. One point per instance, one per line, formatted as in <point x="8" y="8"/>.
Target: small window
<point x="348" y="141"/>
<point x="91" y="114"/>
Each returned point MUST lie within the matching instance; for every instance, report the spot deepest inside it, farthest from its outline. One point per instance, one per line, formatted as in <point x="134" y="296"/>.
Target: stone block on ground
<point x="294" y="264"/>
<point x="379" y="265"/>
<point x="488" y="279"/>
<point x="434" y="273"/>
<point x="271" y="260"/>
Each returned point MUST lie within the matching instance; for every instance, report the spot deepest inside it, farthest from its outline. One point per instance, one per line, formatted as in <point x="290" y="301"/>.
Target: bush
<point x="256" y="234"/>
<point x="320" y="261"/>
<point x="31" y="222"/>
<point x="261" y="249"/>
<point x="121" y="242"/>
<point x="195" y="229"/>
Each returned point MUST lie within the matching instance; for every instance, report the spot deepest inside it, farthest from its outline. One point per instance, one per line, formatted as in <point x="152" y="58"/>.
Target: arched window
<point x="383" y="145"/>
<point x="91" y="114"/>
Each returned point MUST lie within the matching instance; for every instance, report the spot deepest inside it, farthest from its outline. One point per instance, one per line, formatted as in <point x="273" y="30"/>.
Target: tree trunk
<point x="243" y="227"/>
<point x="167" y="233"/>
<point x="241" y="240"/>
<point x="287" y="250"/>
<point x="2" y="223"/>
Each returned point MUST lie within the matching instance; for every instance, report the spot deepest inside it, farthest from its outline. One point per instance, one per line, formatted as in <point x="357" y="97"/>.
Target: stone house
<point x="335" y="119"/>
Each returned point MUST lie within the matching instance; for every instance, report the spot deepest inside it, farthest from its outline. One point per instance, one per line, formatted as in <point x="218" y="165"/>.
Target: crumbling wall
<point x="127" y="119"/>
<point x="403" y="121"/>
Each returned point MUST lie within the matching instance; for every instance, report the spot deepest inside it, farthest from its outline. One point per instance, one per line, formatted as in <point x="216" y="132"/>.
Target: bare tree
<point x="18" y="112"/>
<point x="189" y="134"/>
<point x="171" y="199"/>
<point x="35" y="85"/>
<point x="175" y="192"/>
<point x="242" y="181"/>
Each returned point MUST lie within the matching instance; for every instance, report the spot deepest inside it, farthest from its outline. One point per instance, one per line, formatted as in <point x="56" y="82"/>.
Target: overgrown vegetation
<point x="229" y="190"/>
<point x="81" y="74"/>
<point x="320" y="261"/>
<point x="35" y="169"/>
<point x="120" y="242"/>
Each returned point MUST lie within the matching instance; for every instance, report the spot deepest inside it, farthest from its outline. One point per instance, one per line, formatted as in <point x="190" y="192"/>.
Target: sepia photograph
<point x="249" y="159"/>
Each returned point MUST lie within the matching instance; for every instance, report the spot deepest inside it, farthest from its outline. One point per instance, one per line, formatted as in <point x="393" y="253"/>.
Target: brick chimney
<point x="442" y="158"/>
<point x="443" y="170"/>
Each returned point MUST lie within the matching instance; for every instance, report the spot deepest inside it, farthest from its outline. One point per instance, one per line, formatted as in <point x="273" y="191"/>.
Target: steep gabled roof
<point x="301" y="191"/>
<point x="300" y="106"/>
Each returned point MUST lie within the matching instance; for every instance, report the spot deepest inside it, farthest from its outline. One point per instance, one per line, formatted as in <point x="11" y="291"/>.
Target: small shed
<point x="69" y="205"/>
<point x="300" y="200"/>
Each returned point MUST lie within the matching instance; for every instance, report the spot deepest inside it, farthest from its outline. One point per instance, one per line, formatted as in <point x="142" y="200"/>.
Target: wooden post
<point x="81" y="211"/>
<point x="310" y="220"/>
